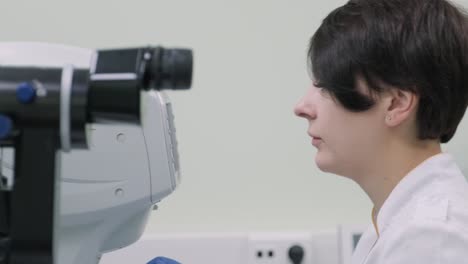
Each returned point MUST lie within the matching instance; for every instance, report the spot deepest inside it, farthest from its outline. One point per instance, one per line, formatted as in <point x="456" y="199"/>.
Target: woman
<point x="391" y="85"/>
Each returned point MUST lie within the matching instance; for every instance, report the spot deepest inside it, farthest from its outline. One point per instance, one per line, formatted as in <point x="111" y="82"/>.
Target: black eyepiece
<point x="170" y="69"/>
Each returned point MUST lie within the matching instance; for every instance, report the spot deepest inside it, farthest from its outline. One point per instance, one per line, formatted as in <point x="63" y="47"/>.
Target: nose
<point x="305" y="108"/>
<point x="299" y="108"/>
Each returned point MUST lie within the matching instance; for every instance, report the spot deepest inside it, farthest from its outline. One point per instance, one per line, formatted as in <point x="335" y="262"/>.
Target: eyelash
<point x="320" y="89"/>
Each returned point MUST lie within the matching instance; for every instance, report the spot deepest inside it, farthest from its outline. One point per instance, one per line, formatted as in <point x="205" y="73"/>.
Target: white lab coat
<point x="423" y="221"/>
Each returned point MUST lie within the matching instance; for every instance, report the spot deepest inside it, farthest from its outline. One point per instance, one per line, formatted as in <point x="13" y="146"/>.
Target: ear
<point x="401" y="106"/>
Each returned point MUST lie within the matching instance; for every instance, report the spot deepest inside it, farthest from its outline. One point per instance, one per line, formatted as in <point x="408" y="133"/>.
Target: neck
<point x="392" y="166"/>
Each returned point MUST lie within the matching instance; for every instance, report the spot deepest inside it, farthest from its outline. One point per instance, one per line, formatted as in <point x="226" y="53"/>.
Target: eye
<point x="324" y="92"/>
<point x="317" y="88"/>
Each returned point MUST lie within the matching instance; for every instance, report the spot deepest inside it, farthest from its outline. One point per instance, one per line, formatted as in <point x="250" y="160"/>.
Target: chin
<point x="323" y="163"/>
<point x="328" y="165"/>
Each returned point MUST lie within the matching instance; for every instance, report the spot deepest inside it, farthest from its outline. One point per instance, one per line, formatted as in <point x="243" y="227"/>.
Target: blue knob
<point x="25" y="93"/>
<point x="163" y="260"/>
<point x="6" y="125"/>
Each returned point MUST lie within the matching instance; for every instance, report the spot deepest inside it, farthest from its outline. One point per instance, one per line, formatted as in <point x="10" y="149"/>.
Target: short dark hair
<point x="415" y="45"/>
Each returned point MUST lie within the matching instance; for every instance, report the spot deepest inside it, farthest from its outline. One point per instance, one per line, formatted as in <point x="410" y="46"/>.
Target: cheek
<point x="348" y="145"/>
<point x="349" y="138"/>
<point x="357" y="138"/>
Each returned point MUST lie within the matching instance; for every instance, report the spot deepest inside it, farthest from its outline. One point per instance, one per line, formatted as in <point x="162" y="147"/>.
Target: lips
<point x="312" y="135"/>
<point x="316" y="140"/>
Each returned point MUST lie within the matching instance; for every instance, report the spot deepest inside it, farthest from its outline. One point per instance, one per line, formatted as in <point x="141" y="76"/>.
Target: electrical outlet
<point x="273" y="248"/>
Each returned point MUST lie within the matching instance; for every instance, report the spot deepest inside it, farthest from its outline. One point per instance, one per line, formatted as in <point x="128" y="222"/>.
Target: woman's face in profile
<point x="345" y="141"/>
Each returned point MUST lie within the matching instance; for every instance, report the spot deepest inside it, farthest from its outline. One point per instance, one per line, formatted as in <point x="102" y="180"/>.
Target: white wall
<point x="247" y="161"/>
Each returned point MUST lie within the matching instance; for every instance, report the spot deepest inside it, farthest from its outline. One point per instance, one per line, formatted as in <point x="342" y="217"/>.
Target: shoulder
<point x="442" y="201"/>
<point x="435" y="230"/>
<point x="445" y="204"/>
<point x="430" y="223"/>
<point x="442" y="210"/>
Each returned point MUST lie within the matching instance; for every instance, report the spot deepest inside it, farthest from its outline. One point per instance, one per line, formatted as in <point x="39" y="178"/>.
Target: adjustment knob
<point x="25" y="93"/>
<point x="296" y="254"/>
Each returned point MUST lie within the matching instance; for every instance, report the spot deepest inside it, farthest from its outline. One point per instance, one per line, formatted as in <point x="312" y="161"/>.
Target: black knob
<point x="296" y="254"/>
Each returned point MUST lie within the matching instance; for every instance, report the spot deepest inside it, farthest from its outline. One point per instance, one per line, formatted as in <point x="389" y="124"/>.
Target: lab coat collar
<point x="408" y="187"/>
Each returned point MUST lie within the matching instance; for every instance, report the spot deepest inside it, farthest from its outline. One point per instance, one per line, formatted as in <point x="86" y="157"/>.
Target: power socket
<point x="273" y="248"/>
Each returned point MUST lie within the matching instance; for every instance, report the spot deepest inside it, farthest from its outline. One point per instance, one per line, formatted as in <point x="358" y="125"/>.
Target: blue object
<point x="163" y="260"/>
<point x="6" y="125"/>
<point x="25" y="93"/>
